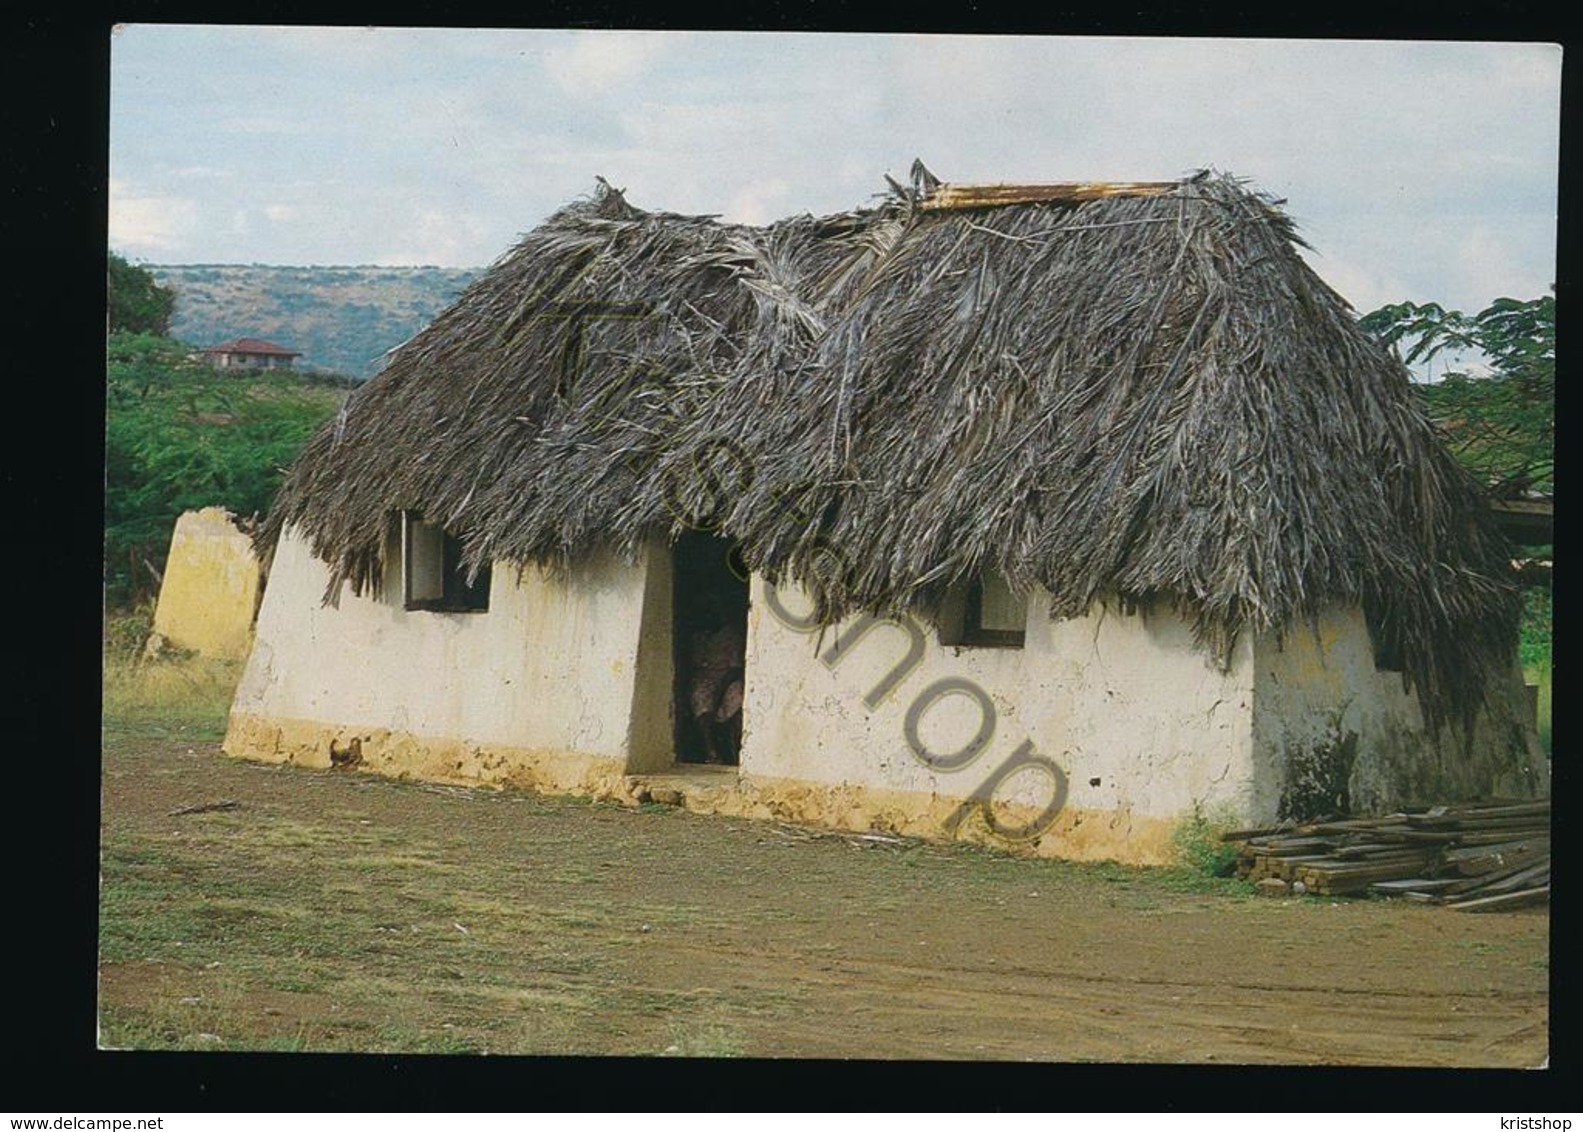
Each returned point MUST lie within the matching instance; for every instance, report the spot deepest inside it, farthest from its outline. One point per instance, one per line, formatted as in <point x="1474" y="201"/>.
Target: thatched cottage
<point x="1045" y="513"/>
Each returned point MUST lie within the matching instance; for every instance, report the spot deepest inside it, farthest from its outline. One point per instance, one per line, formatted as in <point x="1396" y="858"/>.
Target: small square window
<point x="985" y="613"/>
<point x="432" y="574"/>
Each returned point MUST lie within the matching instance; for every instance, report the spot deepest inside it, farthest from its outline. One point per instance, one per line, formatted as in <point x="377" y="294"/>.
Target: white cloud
<point x="1484" y="261"/>
<point x="594" y="61"/>
<point x="760" y="202"/>
<point x="203" y="172"/>
<point x="445" y="239"/>
<point x="271" y="123"/>
<point x="1366" y="288"/>
<point x="1532" y="68"/>
<point x="332" y="45"/>
<point x="1421" y="170"/>
<point x="147" y="225"/>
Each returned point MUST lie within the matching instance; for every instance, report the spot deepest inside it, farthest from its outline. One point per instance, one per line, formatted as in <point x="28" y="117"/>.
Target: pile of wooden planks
<point x="1478" y="857"/>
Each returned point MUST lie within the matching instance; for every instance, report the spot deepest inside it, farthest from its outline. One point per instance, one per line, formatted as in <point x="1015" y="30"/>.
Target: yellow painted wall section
<point x="1077" y="834"/>
<point x="210" y="590"/>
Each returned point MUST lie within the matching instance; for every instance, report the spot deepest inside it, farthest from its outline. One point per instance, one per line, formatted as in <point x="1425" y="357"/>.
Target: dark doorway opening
<point x="710" y="611"/>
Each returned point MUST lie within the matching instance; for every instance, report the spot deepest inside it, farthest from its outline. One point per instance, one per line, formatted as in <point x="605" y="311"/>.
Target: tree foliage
<point x="137" y="304"/>
<point x="1497" y="414"/>
<point x="180" y="435"/>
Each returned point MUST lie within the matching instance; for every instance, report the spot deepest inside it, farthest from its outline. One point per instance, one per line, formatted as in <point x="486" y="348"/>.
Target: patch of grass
<point x="400" y="1038"/>
<point x="287" y="1043"/>
<point x="127" y="1028"/>
<point x="1146" y="887"/>
<point x="703" y="1040"/>
<point x="299" y="982"/>
<point x="384" y="862"/>
<point x="186" y="696"/>
<point x="153" y="927"/>
<point x="1203" y="867"/>
<point x="1111" y="872"/>
<point x="204" y="1019"/>
<point x="1482" y="946"/>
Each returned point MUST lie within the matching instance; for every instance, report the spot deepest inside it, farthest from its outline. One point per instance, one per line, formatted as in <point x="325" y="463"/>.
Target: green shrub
<point x="1534" y="652"/>
<point x="1536" y="628"/>
<point x="1196" y="842"/>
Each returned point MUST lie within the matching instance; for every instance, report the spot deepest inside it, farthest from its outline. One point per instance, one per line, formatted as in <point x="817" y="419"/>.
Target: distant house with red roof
<point x="250" y="353"/>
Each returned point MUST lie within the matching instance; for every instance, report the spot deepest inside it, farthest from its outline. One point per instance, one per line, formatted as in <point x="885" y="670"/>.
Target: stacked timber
<point x="1479" y="857"/>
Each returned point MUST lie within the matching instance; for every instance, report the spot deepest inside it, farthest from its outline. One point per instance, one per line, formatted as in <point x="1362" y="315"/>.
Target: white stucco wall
<point x="549" y="666"/>
<point x="1324" y="715"/>
<point x="568" y="685"/>
<point x="1138" y="719"/>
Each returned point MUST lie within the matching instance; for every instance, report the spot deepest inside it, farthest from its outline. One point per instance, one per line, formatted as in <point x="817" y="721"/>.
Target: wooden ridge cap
<point x="1068" y="192"/>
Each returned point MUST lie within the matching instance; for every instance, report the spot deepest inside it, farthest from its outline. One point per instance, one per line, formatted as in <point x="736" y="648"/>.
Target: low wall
<point x="209" y="592"/>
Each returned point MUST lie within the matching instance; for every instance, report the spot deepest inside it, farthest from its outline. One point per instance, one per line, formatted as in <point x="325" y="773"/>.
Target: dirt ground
<point x="334" y="910"/>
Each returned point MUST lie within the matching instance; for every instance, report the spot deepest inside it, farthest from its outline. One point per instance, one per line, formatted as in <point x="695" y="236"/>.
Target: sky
<point x="1418" y="170"/>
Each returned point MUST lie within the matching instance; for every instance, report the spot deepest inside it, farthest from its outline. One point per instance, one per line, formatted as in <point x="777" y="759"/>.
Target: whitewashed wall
<point x="1324" y="714"/>
<point x="1122" y="699"/>
<point x="550" y="666"/>
<point x="568" y="684"/>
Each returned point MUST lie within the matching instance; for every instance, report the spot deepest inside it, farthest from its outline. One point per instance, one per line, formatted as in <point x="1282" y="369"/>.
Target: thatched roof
<point x="1130" y="392"/>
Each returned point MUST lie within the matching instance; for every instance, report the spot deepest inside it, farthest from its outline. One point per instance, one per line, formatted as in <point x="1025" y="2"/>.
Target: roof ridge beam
<point x="951" y="196"/>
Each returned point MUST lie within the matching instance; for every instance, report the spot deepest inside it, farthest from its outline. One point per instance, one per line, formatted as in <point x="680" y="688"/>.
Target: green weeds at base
<point x="1196" y="843"/>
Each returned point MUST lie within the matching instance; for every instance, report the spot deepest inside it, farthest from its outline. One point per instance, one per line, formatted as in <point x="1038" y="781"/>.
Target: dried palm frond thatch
<point x="1135" y="393"/>
<point x="534" y="415"/>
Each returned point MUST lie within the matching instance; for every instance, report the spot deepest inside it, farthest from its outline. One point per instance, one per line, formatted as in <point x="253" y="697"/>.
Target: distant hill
<point x="341" y="318"/>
